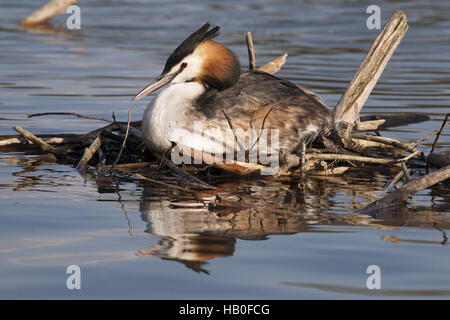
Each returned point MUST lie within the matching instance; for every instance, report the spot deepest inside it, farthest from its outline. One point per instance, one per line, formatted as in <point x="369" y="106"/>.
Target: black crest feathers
<point x="188" y="46"/>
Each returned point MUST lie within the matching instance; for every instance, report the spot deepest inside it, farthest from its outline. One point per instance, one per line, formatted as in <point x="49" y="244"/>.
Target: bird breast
<point x="167" y="113"/>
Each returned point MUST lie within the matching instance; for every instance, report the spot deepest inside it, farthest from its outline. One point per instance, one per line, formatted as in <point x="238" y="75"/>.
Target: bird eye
<point x="183" y="65"/>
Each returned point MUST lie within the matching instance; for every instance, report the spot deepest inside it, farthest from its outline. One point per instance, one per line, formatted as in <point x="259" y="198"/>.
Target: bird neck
<point x="180" y="95"/>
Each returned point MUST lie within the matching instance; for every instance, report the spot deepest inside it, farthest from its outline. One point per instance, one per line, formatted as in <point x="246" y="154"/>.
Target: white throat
<point x="167" y="112"/>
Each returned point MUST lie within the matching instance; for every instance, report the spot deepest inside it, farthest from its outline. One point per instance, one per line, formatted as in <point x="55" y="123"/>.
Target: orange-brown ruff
<point x="205" y="85"/>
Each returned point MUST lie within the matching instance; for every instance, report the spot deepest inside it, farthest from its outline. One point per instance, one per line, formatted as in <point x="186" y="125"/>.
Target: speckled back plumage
<point x="261" y="100"/>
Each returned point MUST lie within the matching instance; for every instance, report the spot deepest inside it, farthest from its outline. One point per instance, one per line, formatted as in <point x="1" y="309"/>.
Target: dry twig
<point x="44" y="146"/>
<point x="251" y="52"/>
<point x="68" y="114"/>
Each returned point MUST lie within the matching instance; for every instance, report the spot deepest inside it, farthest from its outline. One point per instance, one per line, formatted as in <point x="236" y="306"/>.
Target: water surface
<point x="274" y="240"/>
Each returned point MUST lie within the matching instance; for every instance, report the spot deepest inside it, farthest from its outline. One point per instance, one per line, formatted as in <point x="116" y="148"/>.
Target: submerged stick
<point x="251" y="52"/>
<point x="404" y="192"/>
<point x="371" y="68"/>
<point x="44" y="146"/>
<point x="131" y="166"/>
<point x="140" y="176"/>
<point x="47" y="12"/>
<point x="187" y="177"/>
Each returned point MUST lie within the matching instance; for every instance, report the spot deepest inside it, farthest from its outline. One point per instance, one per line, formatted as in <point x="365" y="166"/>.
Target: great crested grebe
<point x="205" y="85"/>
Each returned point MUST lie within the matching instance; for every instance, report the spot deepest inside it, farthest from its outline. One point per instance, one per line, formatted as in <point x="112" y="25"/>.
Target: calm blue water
<point x="141" y="241"/>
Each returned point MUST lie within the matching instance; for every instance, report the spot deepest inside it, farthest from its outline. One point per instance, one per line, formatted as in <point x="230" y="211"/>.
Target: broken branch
<point x="370" y="70"/>
<point x="274" y="65"/>
<point x="44" y="146"/>
<point x="404" y="192"/>
<point x="88" y="154"/>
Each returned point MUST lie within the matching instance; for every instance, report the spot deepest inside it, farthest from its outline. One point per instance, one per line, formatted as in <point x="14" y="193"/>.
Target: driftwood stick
<point x="371" y="69"/>
<point x="251" y="52"/>
<point x="10" y="141"/>
<point x="59" y="139"/>
<point x="358" y="158"/>
<point x="44" y="146"/>
<point x="384" y="140"/>
<point x="274" y="65"/>
<point x="369" y="125"/>
<point x="359" y="144"/>
<point x="88" y="154"/>
<point x="47" y="12"/>
<point x="68" y="114"/>
<point x="403" y="193"/>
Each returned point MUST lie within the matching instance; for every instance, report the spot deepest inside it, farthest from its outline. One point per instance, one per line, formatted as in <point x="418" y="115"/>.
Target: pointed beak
<point x="158" y="83"/>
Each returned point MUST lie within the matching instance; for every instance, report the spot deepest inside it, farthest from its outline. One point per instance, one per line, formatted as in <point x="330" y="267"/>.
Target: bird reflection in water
<point x="195" y="231"/>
